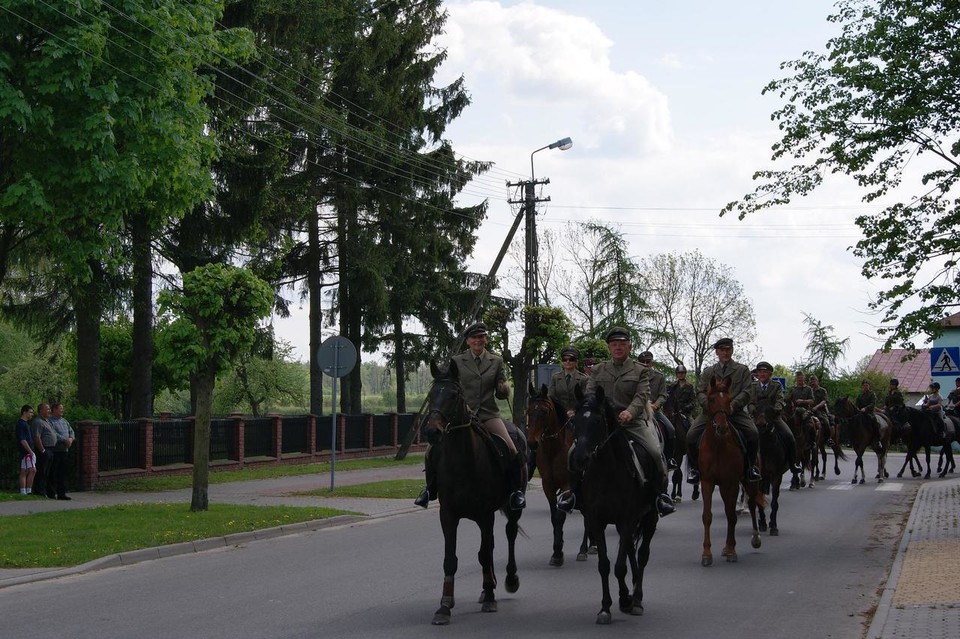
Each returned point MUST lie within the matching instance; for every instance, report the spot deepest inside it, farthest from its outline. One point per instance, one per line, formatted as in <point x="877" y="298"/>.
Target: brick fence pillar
<point x="312" y="435"/>
<point x="238" y="436"/>
<point x="146" y="441"/>
<point x="341" y="433"/>
<point x="277" y="433"/>
<point x="89" y="432"/>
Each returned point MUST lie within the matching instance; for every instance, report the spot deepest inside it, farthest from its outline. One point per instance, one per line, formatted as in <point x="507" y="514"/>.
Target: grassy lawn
<point x="72" y="537"/>
<point x="391" y="489"/>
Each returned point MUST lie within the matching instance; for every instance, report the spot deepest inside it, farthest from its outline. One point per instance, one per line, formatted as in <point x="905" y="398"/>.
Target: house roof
<point x="913" y="374"/>
<point x="952" y="320"/>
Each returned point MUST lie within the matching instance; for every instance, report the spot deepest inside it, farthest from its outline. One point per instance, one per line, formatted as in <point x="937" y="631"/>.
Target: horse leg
<point x="584" y="545"/>
<point x="557" y="518"/>
<point x="904" y="467"/>
<point x="707" y="558"/>
<point x="774" y="507"/>
<point x="448" y="524"/>
<point x="648" y="526"/>
<point x="927" y="447"/>
<point x="729" y="495"/>
<point x="624" y="550"/>
<point x="603" y="567"/>
<point x="677" y="493"/>
<point x="488" y="598"/>
<point x="754" y="497"/>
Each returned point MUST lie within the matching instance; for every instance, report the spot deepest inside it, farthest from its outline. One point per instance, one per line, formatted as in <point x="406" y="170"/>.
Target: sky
<point x="663" y="103"/>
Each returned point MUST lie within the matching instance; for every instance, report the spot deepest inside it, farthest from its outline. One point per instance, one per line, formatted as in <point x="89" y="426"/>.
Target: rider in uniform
<point x="821" y="407"/>
<point x="953" y="399"/>
<point x="563" y="383"/>
<point x="767" y="398"/>
<point x="682" y="393"/>
<point x="801" y="395"/>
<point x="658" y="397"/>
<point x="739" y="379"/>
<point x="626" y="385"/>
<point x="866" y="403"/>
<point x="484" y="381"/>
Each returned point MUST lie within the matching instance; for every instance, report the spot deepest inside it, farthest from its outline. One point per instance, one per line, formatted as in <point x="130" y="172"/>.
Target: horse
<point x="773" y="466"/>
<point x="860" y="427"/>
<point x="950" y="465"/>
<point x="548" y="434"/>
<point x="923" y="433"/>
<point x="616" y="490"/>
<point x="472" y="483"/>
<point x="681" y="423"/>
<point x="825" y="436"/>
<point x="722" y="465"/>
<point x="804" y="425"/>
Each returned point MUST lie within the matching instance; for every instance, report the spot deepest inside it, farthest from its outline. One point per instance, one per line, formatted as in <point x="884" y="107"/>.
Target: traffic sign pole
<point x="337" y="356"/>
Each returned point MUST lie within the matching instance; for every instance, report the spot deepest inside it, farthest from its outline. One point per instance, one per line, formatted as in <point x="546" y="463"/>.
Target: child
<point x="28" y="460"/>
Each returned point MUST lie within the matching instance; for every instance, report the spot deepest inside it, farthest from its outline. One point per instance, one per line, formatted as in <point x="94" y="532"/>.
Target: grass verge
<point x="73" y="537"/>
<point x="390" y="489"/>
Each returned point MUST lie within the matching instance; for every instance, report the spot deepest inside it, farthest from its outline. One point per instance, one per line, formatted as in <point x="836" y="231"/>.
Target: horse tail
<point x="838" y="451"/>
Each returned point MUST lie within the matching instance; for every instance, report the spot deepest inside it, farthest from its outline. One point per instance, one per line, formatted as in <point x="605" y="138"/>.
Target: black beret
<point x="618" y="333"/>
<point x="475" y="330"/>
<point x="723" y="341"/>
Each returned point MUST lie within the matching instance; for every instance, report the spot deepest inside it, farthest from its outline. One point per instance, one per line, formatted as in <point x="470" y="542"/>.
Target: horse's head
<point x="719" y="400"/>
<point x="844" y="408"/>
<point x="592" y="424"/>
<point x="543" y="419"/>
<point x="444" y="404"/>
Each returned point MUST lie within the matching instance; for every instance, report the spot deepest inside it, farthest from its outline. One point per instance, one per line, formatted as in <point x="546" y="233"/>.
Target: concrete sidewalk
<point x="266" y="492"/>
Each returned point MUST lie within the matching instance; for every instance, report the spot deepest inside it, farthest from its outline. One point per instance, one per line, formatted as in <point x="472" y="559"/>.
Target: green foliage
<point x="259" y="384"/>
<point x="884" y="95"/>
<point x="552" y="330"/>
<point x="823" y="349"/>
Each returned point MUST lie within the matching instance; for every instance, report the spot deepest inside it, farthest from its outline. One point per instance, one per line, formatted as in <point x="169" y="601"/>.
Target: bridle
<point x="545" y="405"/>
<point x="463" y="417"/>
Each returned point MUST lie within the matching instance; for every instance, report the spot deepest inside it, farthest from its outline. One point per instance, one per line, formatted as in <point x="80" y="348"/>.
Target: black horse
<point x="616" y="491"/>
<point x="681" y="423"/>
<point x="773" y="466"/>
<point x="921" y="431"/>
<point x="472" y="483"/>
<point x="865" y="430"/>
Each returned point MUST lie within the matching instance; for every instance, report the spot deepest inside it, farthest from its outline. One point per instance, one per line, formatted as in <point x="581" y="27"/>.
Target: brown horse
<point x="865" y="431"/>
<point x="722" y="465"/>
<point x="825" y="436"/>
<point x="549" y="435"/>
<point x="472" y="483"/>
<point x="616" y="490"/>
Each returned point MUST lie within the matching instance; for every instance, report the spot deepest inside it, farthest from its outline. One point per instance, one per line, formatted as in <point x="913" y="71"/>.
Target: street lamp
<point x="532" y="249"/>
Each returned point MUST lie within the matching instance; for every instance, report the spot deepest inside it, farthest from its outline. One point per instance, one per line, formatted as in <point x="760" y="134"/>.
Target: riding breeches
<point x="495" y="426"/>
<point x="642" y="432"/>
<point x="743" y="424"/>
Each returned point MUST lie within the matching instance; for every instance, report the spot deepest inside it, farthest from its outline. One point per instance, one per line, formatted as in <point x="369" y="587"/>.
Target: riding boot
<point x="790" y="448"/>
<point x="567" y="499"/>
<point x="517" y="483"/>
<point x="430" y="492"/>
<point x="693" y="462"/>
<point x="753" y="473"/>
<point x="664" y="501"/>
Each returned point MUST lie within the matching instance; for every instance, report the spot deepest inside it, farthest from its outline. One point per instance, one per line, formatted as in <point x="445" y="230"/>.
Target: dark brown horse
<point x="865" y="431"/>
<point x="825" y="437"/>
<point x="549" y="434"/>
<point x="921" y="431"/>
<point x="681" y="424"/>
<point x="804" y="425"/>
<point x="616" y="491"/>
<point x="472" y="483"/>
<point x="773" y="466"/>
<point x="722" y="465"/>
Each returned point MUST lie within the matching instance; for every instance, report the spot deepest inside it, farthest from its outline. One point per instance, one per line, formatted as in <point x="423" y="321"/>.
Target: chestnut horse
<point x="616" y="490"/>
<point x="549" y="434"/>
<point x="722" y="465"/>
<point x="472" y="483"/>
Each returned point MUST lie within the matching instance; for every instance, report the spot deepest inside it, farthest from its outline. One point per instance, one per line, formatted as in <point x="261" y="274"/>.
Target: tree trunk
<point x="400" y="364"/>
<point x="88" y="309"/>
<point x="141" y="370"/>
<point x="203" y="383"/>
<point x="315" y="289"/>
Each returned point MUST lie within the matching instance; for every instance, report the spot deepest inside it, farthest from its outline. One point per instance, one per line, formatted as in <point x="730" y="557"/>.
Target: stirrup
<point x="693" y="476"/>
<point x="566" y="501"/>
<point x="753" y="474"/>
<point x="517" y="500"/>
<point x="672" y="464"/>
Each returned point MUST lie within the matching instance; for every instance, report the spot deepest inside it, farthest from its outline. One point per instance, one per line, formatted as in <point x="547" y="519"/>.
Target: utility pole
<point x="531" y="245"/>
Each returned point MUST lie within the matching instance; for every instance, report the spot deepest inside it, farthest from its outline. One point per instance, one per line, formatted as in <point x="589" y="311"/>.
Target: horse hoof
<point x="489" y="606"/>
<point x="732" y="558"/>
<point x="755" y="541"/>
<point x="637" y="610"/>
<point x="774" y="532"/>
<point x="604" y="618"/>
<point x="853" y="481"/>
<point x="626" y="604"/>
<point x="861" y="481"/>
<point x="581" y="556"/>
<point x="677" y="499"/>
<point x="441" y="617"/>
<point x="762" y="527"/>
<point x="512" y="583"/>
<point x="706" y="560"/>
<point x="556" y="560"/>
<point x="592" y="550"/>
<point x="879" y="480"/>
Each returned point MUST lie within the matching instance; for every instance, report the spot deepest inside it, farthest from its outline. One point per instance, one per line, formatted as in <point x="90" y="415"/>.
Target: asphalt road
<point x="382" y="578"/>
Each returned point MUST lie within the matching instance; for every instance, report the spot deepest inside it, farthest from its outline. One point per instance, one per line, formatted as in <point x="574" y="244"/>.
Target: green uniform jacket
<point x="483" y="384"/>
<point x="626" y="385"/>
<point x="769" y="398"/>
<point x="954" y="397"/>
<point x="893" y="400"/>
<point x="867" y="399"/>
<point x="820" y="395"/>
<point x="658" y="388"/>
<point x="800" y="392"/>
<point x="740" y="381"/>
<point x="562" y="390"/>
<point x="683" y="397"/>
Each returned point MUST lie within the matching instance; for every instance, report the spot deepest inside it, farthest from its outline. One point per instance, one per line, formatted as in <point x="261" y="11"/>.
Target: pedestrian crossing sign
<point x="945" y="361"/>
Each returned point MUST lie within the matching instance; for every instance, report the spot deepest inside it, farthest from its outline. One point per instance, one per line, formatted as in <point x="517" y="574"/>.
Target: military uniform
<point x="867" y="400"/>
<point x="683" y="397"/>
<point x="820" y="396"/>
<point x="954" y="400"/>
<point x="767" y="399"/>
<point x="563" y="387"/>
<point x="893" y="401"/>
<point x="627" y="386"/>
<point x="798" y="393"/>
<point x="483" y="381"/>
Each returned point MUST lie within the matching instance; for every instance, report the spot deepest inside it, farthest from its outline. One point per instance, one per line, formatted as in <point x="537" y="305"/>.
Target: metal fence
<point x="296" y="435"/>
<point x="258" y="437"/>
<point x="172" y="442"/>
<point x="355" y="437"/>
<point x="120" y="446"/>
<point x="221" y="440"/>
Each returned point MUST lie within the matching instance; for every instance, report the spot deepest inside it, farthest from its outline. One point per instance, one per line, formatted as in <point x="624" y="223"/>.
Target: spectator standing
<point x="44" y="441"/>
<point x="28" y="459"/>
<point x="61" y="450"/>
